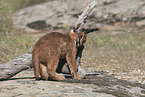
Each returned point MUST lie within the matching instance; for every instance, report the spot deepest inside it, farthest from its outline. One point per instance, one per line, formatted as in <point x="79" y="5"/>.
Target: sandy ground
<point x="24" y="85"/>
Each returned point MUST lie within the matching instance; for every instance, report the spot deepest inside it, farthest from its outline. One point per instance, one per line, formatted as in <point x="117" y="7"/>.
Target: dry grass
<point x="14" y="44"/>
<point x="121" y="55"/>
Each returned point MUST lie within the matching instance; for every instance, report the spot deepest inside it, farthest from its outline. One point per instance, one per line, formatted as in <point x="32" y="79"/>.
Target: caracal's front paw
<point x="78" y="77"/>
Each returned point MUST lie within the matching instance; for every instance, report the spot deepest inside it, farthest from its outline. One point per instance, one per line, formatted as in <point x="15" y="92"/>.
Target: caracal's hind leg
<point x="73" y="65"/>
<point x="36" y="67"/>
<point x="43" y="71"/>
<point x="51" y="68"/>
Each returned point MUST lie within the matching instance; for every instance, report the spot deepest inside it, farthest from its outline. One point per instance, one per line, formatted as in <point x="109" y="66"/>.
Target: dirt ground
<point x="24" y="85"/>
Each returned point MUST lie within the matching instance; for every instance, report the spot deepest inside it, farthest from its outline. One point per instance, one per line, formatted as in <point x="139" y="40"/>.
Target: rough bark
<point x="82" y="18"/>
<point x="16" y="65"/>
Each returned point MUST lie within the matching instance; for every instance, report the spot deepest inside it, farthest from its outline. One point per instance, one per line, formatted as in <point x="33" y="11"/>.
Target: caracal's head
<point x="80" y="38"/>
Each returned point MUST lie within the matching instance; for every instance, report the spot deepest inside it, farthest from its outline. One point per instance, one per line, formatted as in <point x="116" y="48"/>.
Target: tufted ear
<point x="91" y="30"/>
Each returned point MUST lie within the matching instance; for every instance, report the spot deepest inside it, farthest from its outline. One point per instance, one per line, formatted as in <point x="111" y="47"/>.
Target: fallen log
<point x="16" y="65"/>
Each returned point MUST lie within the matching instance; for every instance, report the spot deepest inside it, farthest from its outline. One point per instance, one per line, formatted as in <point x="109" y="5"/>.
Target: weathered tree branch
<point x="16" y="65"/>
<point x="82" y="18"/>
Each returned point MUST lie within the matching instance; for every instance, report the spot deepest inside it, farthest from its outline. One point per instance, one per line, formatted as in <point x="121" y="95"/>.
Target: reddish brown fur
<point x="49" y="49"/>
<point x="52" y="47"/>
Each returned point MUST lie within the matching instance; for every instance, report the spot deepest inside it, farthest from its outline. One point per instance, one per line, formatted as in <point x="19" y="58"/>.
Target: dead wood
<point x="16" y="65"/>
<point x="82" y="18"/>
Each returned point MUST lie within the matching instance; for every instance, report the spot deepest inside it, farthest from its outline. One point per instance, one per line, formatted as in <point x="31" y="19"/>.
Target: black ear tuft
<point x="91" y="30"/>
